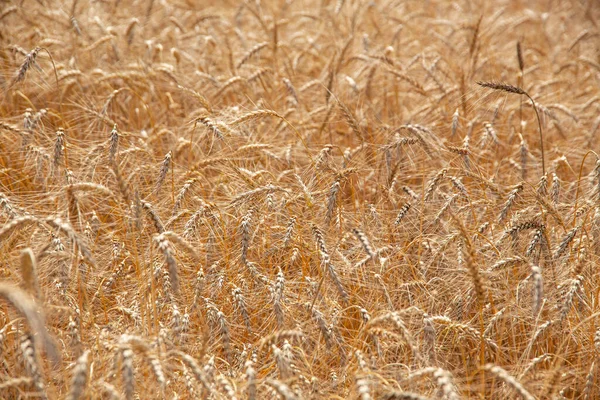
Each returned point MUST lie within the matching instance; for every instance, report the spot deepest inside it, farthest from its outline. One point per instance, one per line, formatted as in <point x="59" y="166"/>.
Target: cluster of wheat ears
<point x="299" y="199"/>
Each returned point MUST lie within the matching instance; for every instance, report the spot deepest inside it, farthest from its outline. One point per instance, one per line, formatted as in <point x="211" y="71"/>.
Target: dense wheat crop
<point x="301" y="199"/>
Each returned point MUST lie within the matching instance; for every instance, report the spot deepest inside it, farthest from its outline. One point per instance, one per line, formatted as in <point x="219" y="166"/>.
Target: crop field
<point x="299" y="199"/>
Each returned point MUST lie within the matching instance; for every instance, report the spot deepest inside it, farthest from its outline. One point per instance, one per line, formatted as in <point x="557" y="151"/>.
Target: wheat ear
<point x="517" y="90"/>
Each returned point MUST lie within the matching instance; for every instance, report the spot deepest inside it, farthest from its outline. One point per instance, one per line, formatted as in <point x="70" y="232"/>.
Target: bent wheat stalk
<point x="517" y="90"/>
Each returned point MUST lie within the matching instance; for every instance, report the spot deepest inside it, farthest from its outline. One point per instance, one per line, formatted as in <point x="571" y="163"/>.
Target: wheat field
<point x="309" y="199"/>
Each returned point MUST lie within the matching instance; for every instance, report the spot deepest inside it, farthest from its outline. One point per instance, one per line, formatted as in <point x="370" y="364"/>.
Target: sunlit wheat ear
<point x="289" y="232"/>
<point x="80" y="377"/>
<point x="181" y="195"/>
<point x="189" y="381"/>
<point x="510" y="381"/>
<point x="67" y="229"/>
<point x="277" y="297"/>
<point x="240" y="302"/>
<point x="164" y="245"/>
<point x="538" y="333"/>
<point x="7" y="11"/>
<point x="114" y="145"/>
<point x="22" y="302"/>
<point x="400" y="325"/>
<point x="512" y="198"/>
<point x="469" y="255"/>
<point x="455" y="121"/>
<point x="245" y="234"/>
<point x="443" y="379"/>
<point x="268" y="189"/>
<point x="164" y="169"/>
<point x="589" y="383"/>
<point x="551" y="209"/>
<point x="193" y="365"/>
<point x="218" y="320"/>
<point x="332" y="200"/>
<point x="363" y="387"/>
<point x="566" y="240"/>
<point x="201" y="99"/>
<point x="127" y="374"/>
<point x="417" y="131"/>
<point x="574" y="288"/>
<point x="158" y="225"/>
<point x="283" y="363"/>
<point x="129" y="32"/>
<point x="218" y="128"/>
<point x="324" y="157"/>
<point x="282" y="389"/>
<point x="16" y="382"/>
<point x="537" y="289"/>
<point x="323" y="256"/>
<point x="254" y="115"/>
<point x="141" y="346"/>
<point x="433" y="183"/>
<point x="449" y="202"/>
<point x="226" y="386"/>
<point x="29" y="272"/>
<point x="364" y="241"/>
<point x="507" y="262"/>
<point x="26" y="65"/>
<point x="279" y="336"/>
<point x="253" y="51"/>
<point x="542" y="186"/>
<point x="533" y="363"/>
<point x="59" y="149"/>
<point x="182" y="243"/>
<point x="31" y="364"/>
<point x="291" y="90"/>
<point x="351" y="120"/>
<point x="7" y="207"/>
<point x="250" y="375"/>
<point x="517" y="90"/>
<point x="122" y="185"/>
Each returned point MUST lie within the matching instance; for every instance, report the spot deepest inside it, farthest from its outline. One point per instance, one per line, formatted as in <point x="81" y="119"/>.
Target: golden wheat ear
<point x="29" y="273"/>
<point x="29" y="309"/>
<point x="505" y="87"/>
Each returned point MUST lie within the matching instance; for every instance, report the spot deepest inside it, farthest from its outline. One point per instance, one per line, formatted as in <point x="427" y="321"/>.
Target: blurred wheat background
<point x="305" y="199"/>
